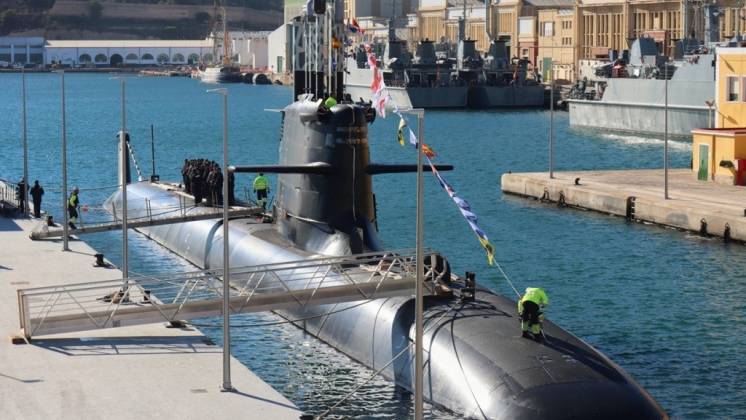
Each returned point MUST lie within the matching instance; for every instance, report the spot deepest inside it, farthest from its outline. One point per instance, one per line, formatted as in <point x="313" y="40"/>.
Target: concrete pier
<point x="135" y="372"/>
<point x="694" y="205"/>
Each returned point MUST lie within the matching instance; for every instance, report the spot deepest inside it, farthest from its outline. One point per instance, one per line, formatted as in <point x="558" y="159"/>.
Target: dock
<point x="704" y="207"/>
<point x="143" y="371"/>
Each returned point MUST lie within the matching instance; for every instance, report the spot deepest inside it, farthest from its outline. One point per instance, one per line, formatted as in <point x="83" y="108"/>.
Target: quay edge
<point x="638" y="195"/>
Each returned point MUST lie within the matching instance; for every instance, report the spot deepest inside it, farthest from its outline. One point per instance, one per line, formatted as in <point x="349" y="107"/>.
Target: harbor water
<point x="665" y="305"/>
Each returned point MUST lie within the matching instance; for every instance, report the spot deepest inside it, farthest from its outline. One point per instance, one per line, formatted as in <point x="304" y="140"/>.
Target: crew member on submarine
<point x="529" y="309"/>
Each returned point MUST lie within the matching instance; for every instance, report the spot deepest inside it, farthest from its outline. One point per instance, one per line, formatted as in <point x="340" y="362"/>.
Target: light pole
<point x="66" y="220"/>
<point x="665" y="137"/>
<point x="124" y="159"/>
<point x="227" y="387"/>
<point x="419" y="254"/>
<point x="551" y="124"/>
<point x="25" y="145"/>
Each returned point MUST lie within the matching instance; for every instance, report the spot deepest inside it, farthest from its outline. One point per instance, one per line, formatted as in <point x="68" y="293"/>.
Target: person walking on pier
<point x="72" y="208"/>
<point x="529" y="308"/>
<point x="36" y="192"/>
<point x="261" y="189"/>
<point x="21" y="195"/>
<point x="185" y="176"/>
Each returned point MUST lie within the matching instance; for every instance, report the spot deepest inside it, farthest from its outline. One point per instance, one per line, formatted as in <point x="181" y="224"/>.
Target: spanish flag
<point x="400" y="135"/>
<point x="428" y="151"/>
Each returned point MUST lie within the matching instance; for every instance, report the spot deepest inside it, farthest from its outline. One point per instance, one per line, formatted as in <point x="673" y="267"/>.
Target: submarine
<point x="477" y="364"/>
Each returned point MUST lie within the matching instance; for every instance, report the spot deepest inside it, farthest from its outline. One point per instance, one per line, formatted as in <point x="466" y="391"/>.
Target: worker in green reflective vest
<point x="261" y="189"/>
<point x="73" y="203"/>
<point x="529" y="308"/>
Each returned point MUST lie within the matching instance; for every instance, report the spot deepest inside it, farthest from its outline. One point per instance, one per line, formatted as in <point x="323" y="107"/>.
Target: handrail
<point x="179" y="296"/>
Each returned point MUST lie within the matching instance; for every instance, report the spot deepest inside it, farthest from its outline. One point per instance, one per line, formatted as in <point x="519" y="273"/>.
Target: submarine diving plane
<point x="476" y="362"/>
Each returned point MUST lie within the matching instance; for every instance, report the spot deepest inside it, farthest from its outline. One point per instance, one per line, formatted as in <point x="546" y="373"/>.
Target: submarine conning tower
<point x="330" y="209"/>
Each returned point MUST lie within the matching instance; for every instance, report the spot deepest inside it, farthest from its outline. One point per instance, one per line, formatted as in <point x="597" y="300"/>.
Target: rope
<point x="505" y="276"/>
<point x="108" y="187"/>
<point x="134" y="160"/>
<point x="378" y="372"/>
<point x="287" y="321"/>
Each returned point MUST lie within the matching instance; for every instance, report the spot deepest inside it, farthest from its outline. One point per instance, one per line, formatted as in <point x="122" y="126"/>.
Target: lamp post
<point x="227" y="387"/>
<point x="124" y="172"/>
<point x="419" y="254"/>
<point x="665" y="137"/>
<point x="551" y="124"/>
<point x="66" y="220"/>
<point x="25" y="145"/>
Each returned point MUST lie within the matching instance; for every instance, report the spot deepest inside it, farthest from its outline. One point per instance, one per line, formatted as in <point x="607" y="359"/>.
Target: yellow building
<point x="719" y="154"/>
<point x="556" y="34"/>
<point x="557" y="45"/>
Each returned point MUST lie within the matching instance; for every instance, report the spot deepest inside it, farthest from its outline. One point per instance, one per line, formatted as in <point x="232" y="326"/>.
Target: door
<point x="546" y="69"/>
<point x="704" y="159"/>
<point x="280" y="62"/>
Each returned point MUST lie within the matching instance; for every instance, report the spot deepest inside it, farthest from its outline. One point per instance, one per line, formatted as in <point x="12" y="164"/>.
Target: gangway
<point x="185" y="296"/>
<point x="43" y="231"/>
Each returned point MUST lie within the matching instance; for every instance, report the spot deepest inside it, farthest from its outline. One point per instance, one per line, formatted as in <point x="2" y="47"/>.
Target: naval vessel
<point x="476" y="362"/>
<point x="428" y="80"/>
<point x="633" y="98"/>
<point x="226" y="71"/>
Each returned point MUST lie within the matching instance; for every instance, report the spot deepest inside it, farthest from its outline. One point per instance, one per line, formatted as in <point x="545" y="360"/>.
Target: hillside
<point x="132" y="19"/>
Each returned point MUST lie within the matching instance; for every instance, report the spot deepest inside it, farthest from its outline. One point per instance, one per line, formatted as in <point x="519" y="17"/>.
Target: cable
<point x="378" y="372"/>
<point x="499" y="267"/>
<point x="287" y="321"/>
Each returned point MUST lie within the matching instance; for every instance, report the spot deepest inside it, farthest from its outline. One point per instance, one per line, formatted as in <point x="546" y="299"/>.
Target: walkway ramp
<point x="185" y="296"/>
<point x="43" y="231"/>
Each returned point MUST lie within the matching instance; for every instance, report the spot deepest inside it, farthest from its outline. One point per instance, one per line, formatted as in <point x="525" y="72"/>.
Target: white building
<point x="132" y="52"/>
<point x="278" y="50"/>
<point x="22" y="50"/>
<point x="248" y="48"/>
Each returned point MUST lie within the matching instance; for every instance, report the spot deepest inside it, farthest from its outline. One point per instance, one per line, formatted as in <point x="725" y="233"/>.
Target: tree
<point x="8" y="20"/>
<point x="202" y="17"/>
<point x="95" y="9"/>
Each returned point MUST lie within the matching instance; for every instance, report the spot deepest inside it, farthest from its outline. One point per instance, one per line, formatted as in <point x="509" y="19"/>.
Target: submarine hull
<point x="477" y="363"/>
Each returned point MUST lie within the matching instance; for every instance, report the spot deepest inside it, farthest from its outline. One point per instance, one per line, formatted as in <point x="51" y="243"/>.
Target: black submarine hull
<point x="476" y="362"/>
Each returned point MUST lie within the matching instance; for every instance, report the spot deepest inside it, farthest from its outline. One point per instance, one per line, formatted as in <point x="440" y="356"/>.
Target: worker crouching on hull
<point x="529" y="308"/>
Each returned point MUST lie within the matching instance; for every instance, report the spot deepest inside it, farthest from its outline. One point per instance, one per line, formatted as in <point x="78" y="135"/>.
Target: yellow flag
<point x="490" y="250"/>
<point x="400" y="135"/>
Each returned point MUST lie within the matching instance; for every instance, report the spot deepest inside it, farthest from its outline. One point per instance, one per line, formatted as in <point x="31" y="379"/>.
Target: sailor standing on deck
<point x="72" y="207"/>
<point x="529" y="308"/>
<point x="36" y="192"/>
<point x="261" y="189"/>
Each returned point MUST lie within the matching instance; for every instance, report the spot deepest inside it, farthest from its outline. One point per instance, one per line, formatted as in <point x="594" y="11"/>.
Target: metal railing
<point x="8" y="193"/>
<point x="184" y="296"/>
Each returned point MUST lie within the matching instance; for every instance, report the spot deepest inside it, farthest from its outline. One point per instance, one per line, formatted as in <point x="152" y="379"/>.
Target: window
<point x="743" y="86"/>
<point x="131" y="57"/>
<point x="147" y="56"/>
<point x="85" y="58"/>
<point x="733" y="89"/>
<point x="525" y="26"/>
<point x="546" y="29"/>
<point x="100" y="58"/>
<point x="162" y="58"/>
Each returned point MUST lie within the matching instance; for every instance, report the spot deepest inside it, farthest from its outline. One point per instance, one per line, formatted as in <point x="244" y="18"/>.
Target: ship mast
<point x="226" y="48"/>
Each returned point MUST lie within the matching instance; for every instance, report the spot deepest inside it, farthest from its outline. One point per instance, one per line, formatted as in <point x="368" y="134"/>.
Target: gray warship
<point x="422" y="81"/>
<point x="428" y="81"/>
<point x="633" y="96"/>
<point x="476" y="362"/>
